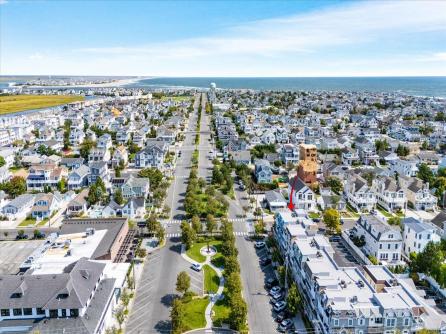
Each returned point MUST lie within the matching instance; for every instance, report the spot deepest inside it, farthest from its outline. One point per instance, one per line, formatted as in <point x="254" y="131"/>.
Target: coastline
<point x="115" y="83"/>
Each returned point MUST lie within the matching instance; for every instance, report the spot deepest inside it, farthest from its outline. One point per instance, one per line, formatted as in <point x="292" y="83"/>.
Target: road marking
<point x="242" y="234"/>
<point x="173" y="235"/>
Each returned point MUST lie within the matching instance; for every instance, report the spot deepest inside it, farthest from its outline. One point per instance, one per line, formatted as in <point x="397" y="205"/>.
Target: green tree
<point x="85" y="148"/>
<point x="381" y="145"/>
<point x="238" y="313"/>
<point x="335" y="184"/>
<point x="62" y="185"/>
<point x="231" y="265"/>
<point x="141" y="252"/>
<point x="425" y="173"/>
<point x="211" y="224"/>
<point x="332" y="220"/>
<point x="125" y="298"/>
<point x="233" y="284"/>
<point x="188" y="235"/>
<point x="294" y="299"/>
<point x="394" y="221"/>
<point x="119" y="199"/>
<point x="183" y="282"/>
<point x="16" y="186"/>
<point x="2" y="161"/>
<point x="402" y="151"/>
<point x="196" y="224"/>
<point x="120" y="315"/>
<point x="155" y="176"/>
<point x="177" y="316"/>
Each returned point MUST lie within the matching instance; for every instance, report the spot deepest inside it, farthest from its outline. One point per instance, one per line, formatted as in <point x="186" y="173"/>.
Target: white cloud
<point x="349" y="39"/>
<point x="2" y="2"/>
<point x="357" y="23"/>
<point x="36" y="56"/>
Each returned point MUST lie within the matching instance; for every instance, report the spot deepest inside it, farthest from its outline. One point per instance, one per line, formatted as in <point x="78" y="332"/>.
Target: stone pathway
<point x="213" y="297"/>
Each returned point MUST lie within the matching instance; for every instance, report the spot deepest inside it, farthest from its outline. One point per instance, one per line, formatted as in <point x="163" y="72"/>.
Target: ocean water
<point x="418" y="86"/>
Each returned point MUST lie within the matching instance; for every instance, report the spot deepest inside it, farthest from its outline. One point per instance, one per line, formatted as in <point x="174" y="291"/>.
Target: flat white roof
<point x="56" y="258"/>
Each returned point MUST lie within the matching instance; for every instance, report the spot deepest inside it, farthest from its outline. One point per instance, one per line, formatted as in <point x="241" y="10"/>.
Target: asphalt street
<point x="155" y="290"/>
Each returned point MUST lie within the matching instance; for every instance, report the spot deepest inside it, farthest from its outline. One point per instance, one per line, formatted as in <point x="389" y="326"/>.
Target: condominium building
<point x="349" y="299"/>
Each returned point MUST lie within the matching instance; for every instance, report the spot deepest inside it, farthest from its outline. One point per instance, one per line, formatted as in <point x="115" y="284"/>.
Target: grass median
<point x="194" y="313"/>
<point x="194" y="251"/>
<point x="211" y="279"/>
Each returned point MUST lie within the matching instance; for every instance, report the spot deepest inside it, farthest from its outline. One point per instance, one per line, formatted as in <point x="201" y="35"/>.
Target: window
<point x="17" y="311"/>
<point x="428" y="236"/>
<point x="64" y="313"/>
<point x="350" y="322"/>
<point x="74" y="312"/>
<point x="380" y="246"/>
<point x="40" y="311"/>
<point x="388" y="246"/>
<point x="335" y="322"/>
<point x="396" y="246"/>
<point x="5" y="312"/>
<point x="54" y="313"/>
<point x="361" y="322"/>
<point x="395" y="256"/>
<point x="406" y="321"/>
<point x="378" y="320"/>
<point x="391" y="322"/>
<point x="28" y="311"/>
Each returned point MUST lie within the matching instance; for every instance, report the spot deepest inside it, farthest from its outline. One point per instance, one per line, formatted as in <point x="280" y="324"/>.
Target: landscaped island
<point x="13" y="103"/>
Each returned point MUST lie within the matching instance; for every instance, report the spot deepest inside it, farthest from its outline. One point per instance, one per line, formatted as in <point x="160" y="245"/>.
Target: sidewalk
<point x="212" y="297"/>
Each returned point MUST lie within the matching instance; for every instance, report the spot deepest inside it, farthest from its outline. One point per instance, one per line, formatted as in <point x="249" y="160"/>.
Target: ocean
<point x="418" y="86"/>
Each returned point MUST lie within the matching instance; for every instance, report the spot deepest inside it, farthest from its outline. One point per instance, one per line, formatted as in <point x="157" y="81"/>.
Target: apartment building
<point x="344" y="299"/>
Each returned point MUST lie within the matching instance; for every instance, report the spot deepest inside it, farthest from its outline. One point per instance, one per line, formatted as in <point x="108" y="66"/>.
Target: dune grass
<point x="14" y="103"/>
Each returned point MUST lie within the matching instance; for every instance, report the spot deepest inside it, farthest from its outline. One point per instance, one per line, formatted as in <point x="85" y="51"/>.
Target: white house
<point x="407" y="168"/>
<point x="358" y="194"/>
<point x="381" y="240"/>
<point x="417" y="234"/>
<point x="301" y="195"/>
<point x="390" y="194"/>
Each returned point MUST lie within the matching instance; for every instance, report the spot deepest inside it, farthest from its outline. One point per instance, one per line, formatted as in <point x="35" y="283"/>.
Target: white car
<point x="279" y="306"/>
<point x="275" y="290"/>
<point x="259" y="244"/>
<point x="196" y="267"/>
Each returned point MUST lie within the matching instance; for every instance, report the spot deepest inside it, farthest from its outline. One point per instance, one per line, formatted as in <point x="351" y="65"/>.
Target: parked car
<point x="241" y="187"/>
<point x="279" y="306"/>
<point x="281" y="317"/>
<point x="259" y="244"/>
<point x="276" y="298"/>
<point x="265" y="261"/>
<point x="21" y="237"/>
<point x="196" y="267"/>
<point x="274" y="290"/>
<point x="285" y="324"/>
<point x="335" y="238"/>
<point x="270" y="282"/>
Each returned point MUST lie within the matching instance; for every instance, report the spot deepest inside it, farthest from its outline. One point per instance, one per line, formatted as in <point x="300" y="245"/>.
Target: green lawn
<point x="194" y="251"/>
<point x="43" y="222"/>
<point x="220" y="312"/>
<point x="13" y="103"/>
<point x="211" y="279"/>
<point x="27" y="222"/>
<point x="176" y="98"/>
<point x="384" y="212"/>
<point x="194" y="313"/>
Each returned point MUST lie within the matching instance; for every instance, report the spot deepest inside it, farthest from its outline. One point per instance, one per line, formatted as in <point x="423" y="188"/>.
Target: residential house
<point x="262" y="171"/>
<point x="406" y="168"/>
<point x="417" y="234"/>
<point x="78" y="178"/>
<point x="44" y="175"/>
<point x="152" y="155"/>
<point x="19" y="207"/>
<point x="120" y="154"/>
<point x="359" y="194"/>
<point x="105" y="141"/>
<point x="98" y="169"/>
<point x="382" y="241"/>
<point x="390" y="194"/>
<point x="418" y="194"/>
<point x="301" y="195"/>
<point x="275" y="201"/>
<point x="45" y="205"/>
<point x="289" y="154"/>
<point x="78" y="205"/>
<point x="136" y="187"/>
<point x="99" y="154"/>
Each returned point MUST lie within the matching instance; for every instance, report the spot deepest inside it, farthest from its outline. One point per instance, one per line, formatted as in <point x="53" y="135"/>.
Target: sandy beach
<point x="114" y="83"/>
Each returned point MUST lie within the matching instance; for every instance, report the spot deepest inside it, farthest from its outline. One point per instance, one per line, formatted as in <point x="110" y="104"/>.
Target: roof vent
<point x="85" y="274"/>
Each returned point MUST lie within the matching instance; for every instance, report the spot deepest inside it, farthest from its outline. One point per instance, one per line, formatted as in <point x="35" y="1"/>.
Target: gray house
<point x="263" y="171"/>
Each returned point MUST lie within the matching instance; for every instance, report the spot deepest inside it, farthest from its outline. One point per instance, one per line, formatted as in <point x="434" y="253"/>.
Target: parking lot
<point x="13" y="253"/>
<point x="343" y="256"/>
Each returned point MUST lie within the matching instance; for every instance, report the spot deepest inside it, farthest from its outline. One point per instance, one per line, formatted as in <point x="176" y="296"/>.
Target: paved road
<point x="205" y="147"/>
<point x="151" y="309"/>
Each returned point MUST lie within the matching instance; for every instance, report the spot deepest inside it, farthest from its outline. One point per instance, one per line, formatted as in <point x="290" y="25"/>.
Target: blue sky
<point x="223" y="38"/>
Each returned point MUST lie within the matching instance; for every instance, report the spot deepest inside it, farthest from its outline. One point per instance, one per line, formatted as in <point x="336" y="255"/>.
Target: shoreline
<point x="116" y="83"/>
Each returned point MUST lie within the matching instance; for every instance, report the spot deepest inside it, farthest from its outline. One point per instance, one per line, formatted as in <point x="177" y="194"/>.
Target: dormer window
<point x="17" y="295"/>
<point x="62" y="296"/>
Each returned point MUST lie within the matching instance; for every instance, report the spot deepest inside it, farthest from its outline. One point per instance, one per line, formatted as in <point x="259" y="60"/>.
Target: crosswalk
<point x="177" y="221"/>
<point x="237" y="234"/>
<point x="173" y="235"/>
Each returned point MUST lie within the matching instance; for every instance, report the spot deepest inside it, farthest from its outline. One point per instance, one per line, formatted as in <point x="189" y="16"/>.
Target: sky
<point x="223" y="38"/>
